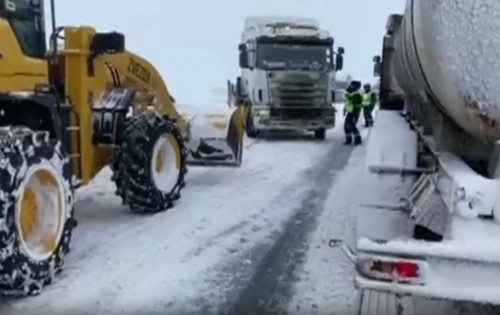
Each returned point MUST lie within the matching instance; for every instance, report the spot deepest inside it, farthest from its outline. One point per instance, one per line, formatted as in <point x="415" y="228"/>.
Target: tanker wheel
<point x="150" y="164"/>
<point x="36" y="210"/>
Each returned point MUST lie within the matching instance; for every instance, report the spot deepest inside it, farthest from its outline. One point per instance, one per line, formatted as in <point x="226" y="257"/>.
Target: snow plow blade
<point x="216" y="139"/>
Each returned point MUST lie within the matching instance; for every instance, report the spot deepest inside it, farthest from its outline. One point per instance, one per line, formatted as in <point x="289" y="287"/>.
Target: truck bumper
<point x="448" y="270"/>
<point x="279" y="121"/>
<point x="262" y="123"/>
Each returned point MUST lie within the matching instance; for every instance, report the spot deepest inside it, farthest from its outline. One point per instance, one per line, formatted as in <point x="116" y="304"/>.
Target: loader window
<point x="26" y="19"/>
<point x="290" y="55"/>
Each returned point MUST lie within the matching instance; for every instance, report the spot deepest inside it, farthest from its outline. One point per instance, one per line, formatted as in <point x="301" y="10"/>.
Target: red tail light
<point x="391" y="269"/>
<point x="407" y="269"/>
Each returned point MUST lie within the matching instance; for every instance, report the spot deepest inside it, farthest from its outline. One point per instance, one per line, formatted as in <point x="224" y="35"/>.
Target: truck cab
<point x="287" y="78"/>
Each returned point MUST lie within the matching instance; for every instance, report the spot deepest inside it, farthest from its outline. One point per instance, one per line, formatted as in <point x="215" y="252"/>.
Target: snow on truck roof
<point x="259" y="21"/>
<point x="271" y="26"/>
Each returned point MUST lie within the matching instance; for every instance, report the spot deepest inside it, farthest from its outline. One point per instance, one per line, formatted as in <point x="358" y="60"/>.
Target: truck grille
<point x="299" y="90"/>
<point x="296" y="113"/>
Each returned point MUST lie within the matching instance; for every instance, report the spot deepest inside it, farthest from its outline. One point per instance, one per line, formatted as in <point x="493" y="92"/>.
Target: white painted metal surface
<point x="457" y="201"/>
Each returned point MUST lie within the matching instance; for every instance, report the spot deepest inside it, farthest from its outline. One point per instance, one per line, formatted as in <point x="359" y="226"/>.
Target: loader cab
<point x="22" y="45"/>
<point x="26" y="19"/>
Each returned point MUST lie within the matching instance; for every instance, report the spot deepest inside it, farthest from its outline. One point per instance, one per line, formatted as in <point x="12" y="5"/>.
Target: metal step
<point x="76" y="155"/>
<point x="426" y="205"/>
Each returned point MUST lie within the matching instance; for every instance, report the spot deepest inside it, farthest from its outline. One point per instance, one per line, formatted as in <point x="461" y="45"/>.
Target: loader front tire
<point x="150" y="164"/>
<point x="36" y="210"/>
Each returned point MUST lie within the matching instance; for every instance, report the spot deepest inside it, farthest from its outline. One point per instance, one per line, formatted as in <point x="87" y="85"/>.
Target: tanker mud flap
<point x="216" y="139"/>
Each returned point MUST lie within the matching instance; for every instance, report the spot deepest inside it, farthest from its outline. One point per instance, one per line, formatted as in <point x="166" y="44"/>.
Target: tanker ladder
<point x="432" y="232"/>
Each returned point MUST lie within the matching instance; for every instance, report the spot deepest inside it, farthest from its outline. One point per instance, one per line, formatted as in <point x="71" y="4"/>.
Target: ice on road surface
<point x="252" y="239"/>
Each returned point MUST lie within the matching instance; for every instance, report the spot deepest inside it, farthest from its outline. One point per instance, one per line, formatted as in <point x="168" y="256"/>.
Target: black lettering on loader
<point x="139" y="71"/>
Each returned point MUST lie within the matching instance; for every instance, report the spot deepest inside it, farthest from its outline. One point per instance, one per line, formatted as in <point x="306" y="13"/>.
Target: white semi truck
<point x="287" y="76"/>
<point x="431" y="226"/>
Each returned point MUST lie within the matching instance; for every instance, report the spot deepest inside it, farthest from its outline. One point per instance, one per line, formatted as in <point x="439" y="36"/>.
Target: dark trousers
<point x="350" y="129"/>
<point x="356" y="116"/>
<point x="367" y="112"/>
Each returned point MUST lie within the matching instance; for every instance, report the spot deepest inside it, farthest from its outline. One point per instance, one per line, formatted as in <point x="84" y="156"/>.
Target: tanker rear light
<point x="390" y="269"/>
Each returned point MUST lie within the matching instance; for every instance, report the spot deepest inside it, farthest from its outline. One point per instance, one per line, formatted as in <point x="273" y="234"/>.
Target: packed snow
<point x="256" y="236"/>
<point x="469" y="40"/>
<point x="118" y="257"/>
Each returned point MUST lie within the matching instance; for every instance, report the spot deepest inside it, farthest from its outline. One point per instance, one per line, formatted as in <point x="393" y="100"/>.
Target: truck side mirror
<point x="243" y="56"/>
<point x="377" y="66"/>
<point x="339" y="59"/>
<point x="339" y="62"/>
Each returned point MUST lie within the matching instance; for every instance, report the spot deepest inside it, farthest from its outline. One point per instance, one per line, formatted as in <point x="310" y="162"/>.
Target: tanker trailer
<point x="432" y="157"/>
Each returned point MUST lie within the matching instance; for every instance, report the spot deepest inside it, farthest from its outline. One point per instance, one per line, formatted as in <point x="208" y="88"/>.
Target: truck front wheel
<point x="250" y="128"/>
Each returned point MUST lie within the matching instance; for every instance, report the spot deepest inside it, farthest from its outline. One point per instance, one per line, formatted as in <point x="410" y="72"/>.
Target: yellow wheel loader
<point x="67" y="113"/>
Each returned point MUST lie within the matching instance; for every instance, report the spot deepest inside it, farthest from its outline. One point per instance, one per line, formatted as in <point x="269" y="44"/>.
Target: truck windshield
<point x="26" y="19"/>
<point x="294" y="56"/>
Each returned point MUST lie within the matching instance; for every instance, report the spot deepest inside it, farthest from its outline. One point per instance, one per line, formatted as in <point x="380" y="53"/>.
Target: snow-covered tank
<point x="445" y="55"/>
<point x="436" y="202"/>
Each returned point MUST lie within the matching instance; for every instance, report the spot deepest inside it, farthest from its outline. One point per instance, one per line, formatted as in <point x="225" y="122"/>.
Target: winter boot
<point x="348" y="140"/>
<point x="357" y="140"/>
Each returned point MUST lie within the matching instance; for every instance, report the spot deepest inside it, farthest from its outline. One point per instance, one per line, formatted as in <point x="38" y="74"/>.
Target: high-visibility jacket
<point x="367" y="99"/>
<point x="349" y="104"/>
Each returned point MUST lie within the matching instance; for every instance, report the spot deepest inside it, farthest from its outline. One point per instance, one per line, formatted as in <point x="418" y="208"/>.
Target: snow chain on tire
<point x="131" y="167"/>
<point x="26" y="155"/>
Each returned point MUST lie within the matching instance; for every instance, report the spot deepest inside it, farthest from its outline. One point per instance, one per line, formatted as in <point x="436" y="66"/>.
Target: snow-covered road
<point x="240" y="240"/>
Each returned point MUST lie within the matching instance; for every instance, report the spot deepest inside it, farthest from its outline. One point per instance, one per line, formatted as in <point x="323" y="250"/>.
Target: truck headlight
<point x="262" y="112"/>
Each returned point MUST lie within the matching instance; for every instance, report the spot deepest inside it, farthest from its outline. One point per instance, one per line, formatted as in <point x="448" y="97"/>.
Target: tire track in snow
<point x="269" y="291"/>
<point x="262" y="278"/>
<point x="139" y="263"/>
<point x="326" y="284"/>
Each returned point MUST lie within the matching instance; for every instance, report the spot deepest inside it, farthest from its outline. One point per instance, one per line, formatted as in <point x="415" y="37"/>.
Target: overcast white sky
<point x="194" y="42"/>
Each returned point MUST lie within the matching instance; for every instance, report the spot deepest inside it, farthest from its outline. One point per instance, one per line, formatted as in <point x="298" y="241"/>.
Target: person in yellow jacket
<point x="369" y="100"/>
<point x="353" y="103"/>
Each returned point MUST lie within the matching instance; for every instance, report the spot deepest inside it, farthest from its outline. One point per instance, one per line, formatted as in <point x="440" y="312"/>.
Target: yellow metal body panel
<point x="140" y="73"/>
<point x="84" y="90"/>
<point x="18" y="72"/>
<point x="21" y="73"/>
